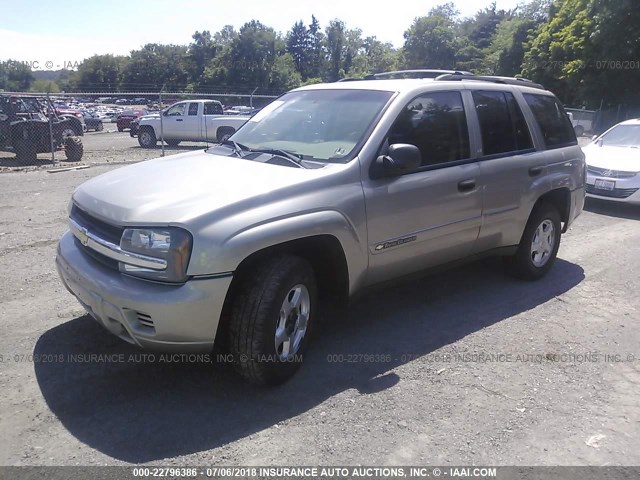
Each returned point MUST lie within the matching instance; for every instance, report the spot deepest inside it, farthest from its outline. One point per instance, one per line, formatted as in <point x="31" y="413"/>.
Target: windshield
<point x="324" y="125"/>
<point x="623" y="136"/>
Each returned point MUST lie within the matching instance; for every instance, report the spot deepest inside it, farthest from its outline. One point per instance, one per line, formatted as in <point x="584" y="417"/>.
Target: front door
<point x="174" y="121"/>
<point x="431" y="216"/>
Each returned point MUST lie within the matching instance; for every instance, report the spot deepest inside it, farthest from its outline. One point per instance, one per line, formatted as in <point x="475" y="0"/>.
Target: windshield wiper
<point x="238" y="148"/>
<point x="295" y="158"/>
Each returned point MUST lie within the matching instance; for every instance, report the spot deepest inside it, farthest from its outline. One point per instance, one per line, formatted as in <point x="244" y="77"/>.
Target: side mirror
<point x="401" y="158"/>
<point x="165" y="113"/>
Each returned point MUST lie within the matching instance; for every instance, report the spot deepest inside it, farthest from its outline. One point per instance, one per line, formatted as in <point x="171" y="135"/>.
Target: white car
<point x="613" y="164"/>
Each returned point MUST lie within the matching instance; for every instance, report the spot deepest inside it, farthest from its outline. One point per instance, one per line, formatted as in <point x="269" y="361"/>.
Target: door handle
<point x="467" y="185"/>
<point x="178" y="119"/>
<point x="534" y="171"/>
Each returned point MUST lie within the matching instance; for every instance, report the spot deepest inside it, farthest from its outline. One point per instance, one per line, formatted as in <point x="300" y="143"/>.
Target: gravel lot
<point x="547" y="395"/>
<point x="108" y="146"/>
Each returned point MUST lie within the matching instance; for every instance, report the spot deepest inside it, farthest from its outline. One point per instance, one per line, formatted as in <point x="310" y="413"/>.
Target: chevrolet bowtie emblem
<point x="83" y="236"/>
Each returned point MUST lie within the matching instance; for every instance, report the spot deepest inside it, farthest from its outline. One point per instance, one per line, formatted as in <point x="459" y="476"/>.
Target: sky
<point x="51" y="35"/>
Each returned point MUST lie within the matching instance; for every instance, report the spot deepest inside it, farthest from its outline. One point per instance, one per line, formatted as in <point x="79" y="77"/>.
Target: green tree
<point x="284" y="74"/>
<point x="155" y="66"/>
<point x="431" y="41"/>
<point x="200" y="52"/>
<point x="336" y="40"/>
<point x="298" y="44"/>
<point x="15" y="75"/>
<point x="480" y="29"/>
<point x="225" y="36"/>
<point x="101" y="72"/>
<point x="612" y="75"/>
<point x="316" y="56"/>
<point x="558" y="55"/>
<point x="44" y="86"/>
<point x="380" y="57"/>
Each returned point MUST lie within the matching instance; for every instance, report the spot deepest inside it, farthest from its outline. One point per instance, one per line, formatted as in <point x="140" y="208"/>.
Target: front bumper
<point x="172" y="318"/>
<point x="627" y="190"/>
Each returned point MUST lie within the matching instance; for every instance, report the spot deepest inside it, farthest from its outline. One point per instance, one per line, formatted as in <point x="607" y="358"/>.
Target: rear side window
<point x="193" y="109"/>
<point x="212" y="108"/>
<point x="502" y="123"/>
<point x="437" y="125"/>
<point x="553" y="121"/>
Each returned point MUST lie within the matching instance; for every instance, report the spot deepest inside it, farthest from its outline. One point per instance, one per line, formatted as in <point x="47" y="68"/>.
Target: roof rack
<point x="404" y="74"/>
<point x="523" y="82"/>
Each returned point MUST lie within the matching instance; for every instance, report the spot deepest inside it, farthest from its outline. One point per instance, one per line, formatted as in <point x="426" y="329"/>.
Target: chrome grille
<point x="102" y="229"/>
<point x="607" y="173"/>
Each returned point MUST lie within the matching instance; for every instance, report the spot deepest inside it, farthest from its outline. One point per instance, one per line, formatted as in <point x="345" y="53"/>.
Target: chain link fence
<point x="79" y="129"/>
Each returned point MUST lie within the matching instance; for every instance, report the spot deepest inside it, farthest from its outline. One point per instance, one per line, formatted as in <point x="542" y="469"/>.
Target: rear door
<point x="192" y="122"/>
<point x="510" y="166"/>
<point x="430" y="216"/>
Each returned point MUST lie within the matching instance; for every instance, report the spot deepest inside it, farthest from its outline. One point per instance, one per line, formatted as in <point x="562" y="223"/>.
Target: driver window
<point x="435" y="123"/>
<point x="177" y="110"/>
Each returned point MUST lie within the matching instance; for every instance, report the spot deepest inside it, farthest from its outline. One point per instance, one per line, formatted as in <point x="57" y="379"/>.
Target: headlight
<point x="170" y="244"/>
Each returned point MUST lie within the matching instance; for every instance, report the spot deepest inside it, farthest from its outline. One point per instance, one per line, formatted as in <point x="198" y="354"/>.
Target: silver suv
<point x="330" y="189"/>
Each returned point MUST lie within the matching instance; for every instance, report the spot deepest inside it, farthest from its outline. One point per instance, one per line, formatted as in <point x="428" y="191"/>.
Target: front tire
<point x="539" y="245"/>
<point x="147" y="138"/>
<point x="579" y="130"/>
<point x="172" y="143"/>
<point x="271" y="319"/>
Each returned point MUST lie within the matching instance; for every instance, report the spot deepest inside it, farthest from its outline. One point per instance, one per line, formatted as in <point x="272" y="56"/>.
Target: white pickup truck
<point x="190" y="121"/>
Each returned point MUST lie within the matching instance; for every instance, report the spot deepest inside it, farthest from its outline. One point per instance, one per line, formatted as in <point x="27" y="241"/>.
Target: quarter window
<point x="193" y="109"/>
<point x="502" y="124"/>
<point x="213" y="108"/>
<point x="554" y="123"/>
<point x="435" y="123"/>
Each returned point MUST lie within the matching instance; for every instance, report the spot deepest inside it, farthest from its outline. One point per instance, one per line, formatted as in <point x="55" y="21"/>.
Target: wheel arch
<point x="560" y="198"/>
<point x="327" y="258"/>
<point x="220" y="131"/>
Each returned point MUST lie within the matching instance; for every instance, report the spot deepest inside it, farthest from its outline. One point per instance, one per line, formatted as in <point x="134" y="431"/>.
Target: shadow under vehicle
<point x="29" y="126"/>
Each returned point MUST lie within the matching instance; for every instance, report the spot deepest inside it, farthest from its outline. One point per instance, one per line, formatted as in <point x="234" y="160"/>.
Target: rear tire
<point x="100" y="127"/>
<point x="271" y="319"/>
<point x="539" y="244"/>
<point x="224" y="133"/>
<point x="73" y="149"/>
<point x="147" y="138"/>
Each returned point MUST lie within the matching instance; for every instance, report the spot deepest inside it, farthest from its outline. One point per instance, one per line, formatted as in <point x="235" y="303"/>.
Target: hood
<point x="179" y="188"/>
<point x="624" y="159"/>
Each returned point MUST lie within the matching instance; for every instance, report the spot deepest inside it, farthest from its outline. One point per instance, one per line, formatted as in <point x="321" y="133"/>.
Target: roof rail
<point x="421" y="73"/>
<point x="404" y="74"/>
<point x="523" y="82"/>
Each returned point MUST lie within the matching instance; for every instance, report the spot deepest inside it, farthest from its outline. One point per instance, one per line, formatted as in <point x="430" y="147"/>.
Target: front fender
<point x="227" y="255"/>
